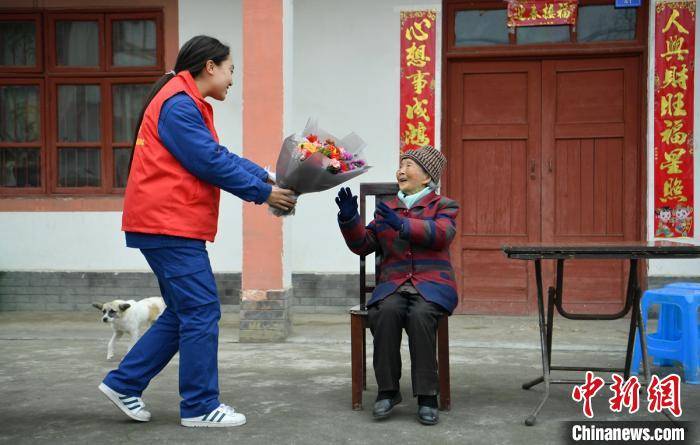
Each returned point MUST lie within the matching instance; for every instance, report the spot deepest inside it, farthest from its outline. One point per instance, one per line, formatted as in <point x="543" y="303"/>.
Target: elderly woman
<point x="416" y="283"/>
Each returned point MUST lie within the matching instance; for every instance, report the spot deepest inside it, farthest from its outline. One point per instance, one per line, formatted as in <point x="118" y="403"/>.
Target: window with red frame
<point x="72" y="85"/>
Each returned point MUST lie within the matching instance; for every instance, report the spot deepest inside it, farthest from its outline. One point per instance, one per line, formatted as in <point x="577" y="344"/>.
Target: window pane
<point x="543" y="34"/>
<point x="19" y="113"/>
<point x="79" y="167"/>
<point x="127" y="101"/>
<point x="17" y="43"/>
<point x="605" y="22"/>
<point x="77" y="43"/>
<point x="486" y="27"/>
<point x="79" y="113"/>
<point x="121" y="166"/>
<point x="20" y="167"/>
<point x="134" y="43"/>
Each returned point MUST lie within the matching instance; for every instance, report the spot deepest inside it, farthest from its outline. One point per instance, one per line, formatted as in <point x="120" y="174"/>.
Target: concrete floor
<point x="298" y="392"/>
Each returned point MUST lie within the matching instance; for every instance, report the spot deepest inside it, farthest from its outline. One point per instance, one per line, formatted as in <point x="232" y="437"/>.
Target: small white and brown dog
<point x="129" y="316"/>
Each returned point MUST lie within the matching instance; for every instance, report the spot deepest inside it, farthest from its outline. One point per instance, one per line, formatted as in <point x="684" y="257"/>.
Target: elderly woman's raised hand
<point x="389" y="217"/>
<point x="347" y="203"/>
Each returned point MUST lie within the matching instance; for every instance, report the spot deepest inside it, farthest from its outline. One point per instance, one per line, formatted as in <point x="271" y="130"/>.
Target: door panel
<point x="494" y="167"/>
<point x="590" y="183"/>
<point x="542" y="151"/>
<point x="498" y="181"/>
<point x="495" y="98"/>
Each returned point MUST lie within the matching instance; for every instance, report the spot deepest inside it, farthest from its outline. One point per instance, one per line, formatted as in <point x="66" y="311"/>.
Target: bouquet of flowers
<point x="314" y="160"/>
<point x="341" y="160"/>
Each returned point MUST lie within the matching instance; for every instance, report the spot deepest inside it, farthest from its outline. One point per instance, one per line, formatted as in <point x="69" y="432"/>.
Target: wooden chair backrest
<point x="382" y="191"/>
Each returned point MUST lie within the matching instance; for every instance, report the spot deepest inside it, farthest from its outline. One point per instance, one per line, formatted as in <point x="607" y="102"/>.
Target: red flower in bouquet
<point x="335" y="153"/>
<point x="312" y="138"/>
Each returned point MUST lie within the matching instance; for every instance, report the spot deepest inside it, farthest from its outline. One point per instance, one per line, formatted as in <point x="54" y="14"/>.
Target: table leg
<point x="543" y="344"/>
<point x="554" y="295"/>
<point x="642" y="336"/>
<point x="550" y="321"/>
<point x="633" y="296"/>
<point x="532" y="383"/>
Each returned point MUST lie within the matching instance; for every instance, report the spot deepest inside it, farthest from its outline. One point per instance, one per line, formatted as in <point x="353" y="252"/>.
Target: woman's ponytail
<point x="165" y="78"/>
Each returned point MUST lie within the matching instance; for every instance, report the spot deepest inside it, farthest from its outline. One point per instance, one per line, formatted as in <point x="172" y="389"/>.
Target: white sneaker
<point x="131" y="406"/>
<point x="222" y="416"/>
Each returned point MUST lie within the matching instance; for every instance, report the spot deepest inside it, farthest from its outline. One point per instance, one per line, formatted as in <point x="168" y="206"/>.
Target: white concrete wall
<point x="346" y="73"/>
<point x="670" y="267"/>
<point x="93" y="241"/>
<point x="65" y="241"/>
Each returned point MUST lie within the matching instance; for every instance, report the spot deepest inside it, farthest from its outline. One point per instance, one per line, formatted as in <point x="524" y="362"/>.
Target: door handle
<point x="533" y="166"/>
<point x="549" y="165"/>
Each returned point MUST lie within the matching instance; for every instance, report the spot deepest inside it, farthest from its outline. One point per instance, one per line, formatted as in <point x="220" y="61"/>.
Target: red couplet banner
<point x="673" y="119"/>
<point x="418" y="56"/>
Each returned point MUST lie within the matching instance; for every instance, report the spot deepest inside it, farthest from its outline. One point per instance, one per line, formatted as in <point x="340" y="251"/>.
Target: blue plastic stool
<point x="678" y="336"/>
<point x="670" y="320"/>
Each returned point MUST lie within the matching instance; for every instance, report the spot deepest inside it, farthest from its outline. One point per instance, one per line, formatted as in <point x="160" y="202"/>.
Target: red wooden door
<point x="494" y="136"/>
<point x="590" y="184"/>
<point x="542" y="151"/>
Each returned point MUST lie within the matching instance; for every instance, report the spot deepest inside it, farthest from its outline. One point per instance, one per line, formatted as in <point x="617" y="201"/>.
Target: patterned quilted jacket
<point x="419" y="252"/>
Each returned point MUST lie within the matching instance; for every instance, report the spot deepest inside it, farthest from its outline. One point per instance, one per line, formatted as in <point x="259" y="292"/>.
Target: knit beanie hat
<point x="430" y="159"/>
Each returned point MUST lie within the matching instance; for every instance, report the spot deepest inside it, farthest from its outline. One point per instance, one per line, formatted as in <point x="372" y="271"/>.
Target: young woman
<point x="171" y="209"/>
<point x="416" y="284"/>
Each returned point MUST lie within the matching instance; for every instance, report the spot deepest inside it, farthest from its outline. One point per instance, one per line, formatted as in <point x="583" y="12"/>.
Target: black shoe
<point x="383" y="407"/>
<point x="428" y="415"/>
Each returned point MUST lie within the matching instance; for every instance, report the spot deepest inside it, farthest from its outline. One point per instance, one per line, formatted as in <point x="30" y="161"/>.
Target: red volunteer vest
<point x="161" y="196"/>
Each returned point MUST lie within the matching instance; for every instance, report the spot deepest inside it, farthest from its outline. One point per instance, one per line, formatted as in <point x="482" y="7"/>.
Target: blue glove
<point x="347" y="203"/>
<point x="389" y="217"/>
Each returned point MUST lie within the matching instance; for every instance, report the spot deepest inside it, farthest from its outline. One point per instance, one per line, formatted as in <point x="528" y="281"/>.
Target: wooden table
<point x="631" y="251"/>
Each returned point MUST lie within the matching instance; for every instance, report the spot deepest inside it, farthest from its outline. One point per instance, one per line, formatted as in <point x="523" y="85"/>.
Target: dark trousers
<point x="405" y="309"/>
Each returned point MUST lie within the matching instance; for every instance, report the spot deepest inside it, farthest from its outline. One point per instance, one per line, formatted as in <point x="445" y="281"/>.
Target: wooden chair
<point x="384" y="191"/>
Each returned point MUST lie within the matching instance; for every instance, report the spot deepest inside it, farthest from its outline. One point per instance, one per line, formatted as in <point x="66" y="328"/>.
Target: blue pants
<point x="189" y="325"/>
